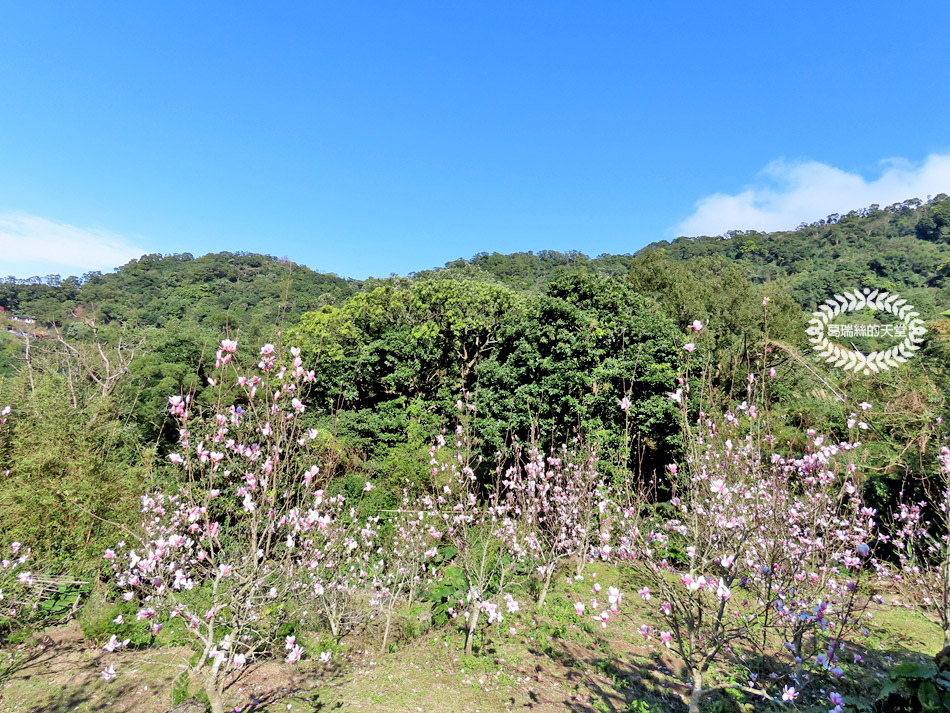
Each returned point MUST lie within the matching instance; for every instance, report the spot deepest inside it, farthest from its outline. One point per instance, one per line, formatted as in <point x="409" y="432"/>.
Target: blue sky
<point x="371" y="138"/>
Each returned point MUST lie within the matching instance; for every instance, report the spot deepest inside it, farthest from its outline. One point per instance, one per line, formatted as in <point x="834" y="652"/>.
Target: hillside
<point x="213" y="290"/>
<point x="904" y="247"/>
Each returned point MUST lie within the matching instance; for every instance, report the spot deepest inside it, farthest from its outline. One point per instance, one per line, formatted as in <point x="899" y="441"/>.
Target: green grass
<point x="555" y="661"/>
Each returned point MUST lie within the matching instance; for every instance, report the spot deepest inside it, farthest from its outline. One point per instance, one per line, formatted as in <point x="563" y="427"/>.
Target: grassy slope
<point x="554" y="662"/>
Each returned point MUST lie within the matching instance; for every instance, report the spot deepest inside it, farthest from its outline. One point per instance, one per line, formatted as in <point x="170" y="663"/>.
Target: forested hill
<point x="533" y="270"/>
<point x="904" y="247"/>
<point x="214" y="290"/>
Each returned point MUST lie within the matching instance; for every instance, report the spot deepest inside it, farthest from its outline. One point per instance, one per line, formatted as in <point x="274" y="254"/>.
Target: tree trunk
<point x="214" y="696"/>
<point x="389" y="620"/>
<point x="697" y="693"/>
<point x="214" y="685"/>
<point x="470" y="635"/>
<point x="549" y="571"/>
<point x="582" y="559"/>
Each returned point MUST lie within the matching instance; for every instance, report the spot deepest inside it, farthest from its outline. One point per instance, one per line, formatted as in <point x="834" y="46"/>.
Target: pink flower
<point x="579" y="608"/>
<point x="295" y="653"/>
<point x="789" y="693"/>
<point x="665" y="638"/>
<point x="624" y="404"/>
<point x="690" y="347"/>
<point x="696" y="325"/>
<point x="114" y="644"/>
<point x="108" y="673"/>
<point x="645" y="594"/>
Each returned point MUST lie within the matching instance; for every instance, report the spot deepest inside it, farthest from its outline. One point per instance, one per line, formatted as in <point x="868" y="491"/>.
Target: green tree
<point x="565" y="364"/>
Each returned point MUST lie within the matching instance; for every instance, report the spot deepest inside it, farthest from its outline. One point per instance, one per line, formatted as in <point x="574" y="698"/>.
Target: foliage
<point x="73" y="469"/>
<point x="418" y="339"/>
<point x="563" y="366"/>
<point x="874" y="247"/>
<point x="915" y="687"/>
<point x="214" y="291"/>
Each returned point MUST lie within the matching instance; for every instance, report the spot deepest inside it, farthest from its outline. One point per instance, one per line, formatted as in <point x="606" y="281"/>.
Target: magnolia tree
<point x="921" y="543"/>
<point x="246" y="541"/>
<point x="557" y="500"/>
<point x="757" y="551"/>
<point x="485" y="540"/>
<point x="410" y="556"/>
<point x="20" y="588"/>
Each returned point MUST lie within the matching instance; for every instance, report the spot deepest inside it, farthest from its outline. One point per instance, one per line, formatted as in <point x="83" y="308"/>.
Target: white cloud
<point x="788" y="194"/>
<point x="31" y="245"/>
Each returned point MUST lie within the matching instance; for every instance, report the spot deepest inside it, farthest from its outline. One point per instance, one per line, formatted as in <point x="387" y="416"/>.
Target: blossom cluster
<point x="758" y="546"/>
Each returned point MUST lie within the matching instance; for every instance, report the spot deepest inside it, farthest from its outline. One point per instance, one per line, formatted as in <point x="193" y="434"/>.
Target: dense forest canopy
<point x="214" y="290"/>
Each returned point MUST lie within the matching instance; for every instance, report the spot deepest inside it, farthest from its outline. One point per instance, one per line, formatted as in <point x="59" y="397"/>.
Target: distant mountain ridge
<point x="903" y="247"/>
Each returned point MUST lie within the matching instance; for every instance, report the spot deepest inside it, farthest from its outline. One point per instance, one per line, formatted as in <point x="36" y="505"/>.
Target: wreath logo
<point x="855" y="360"/>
